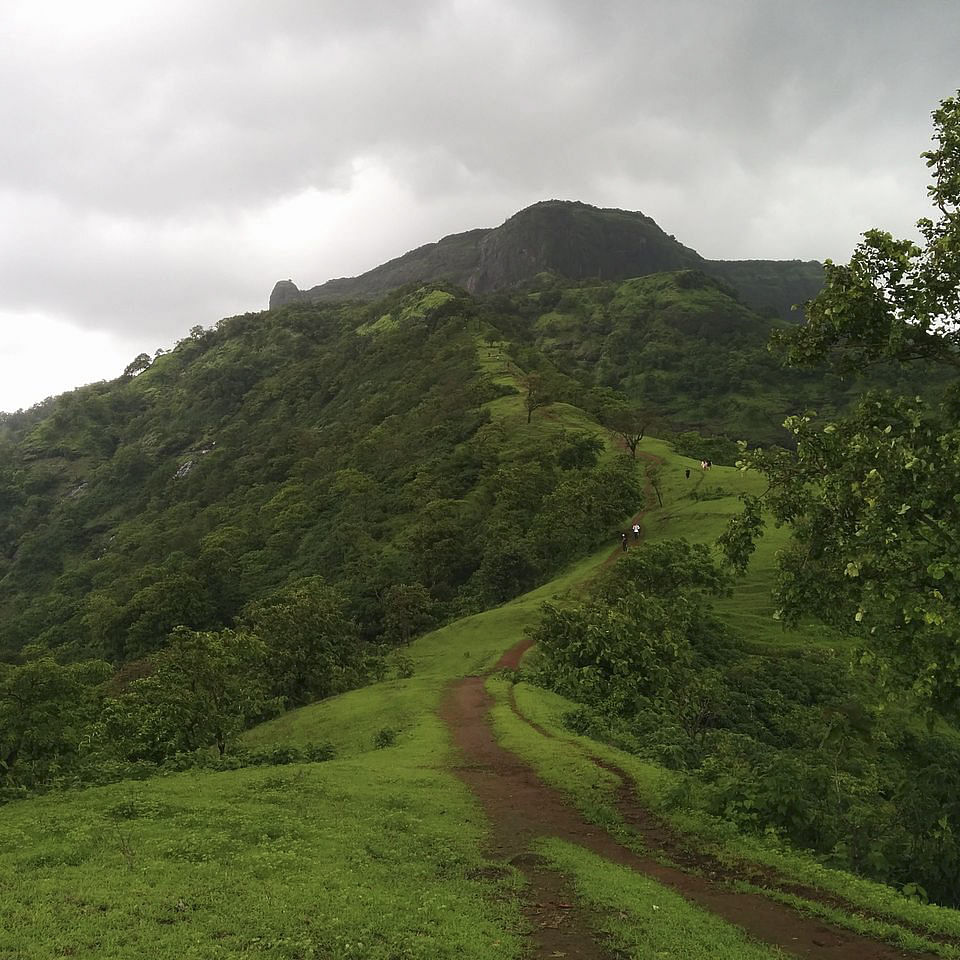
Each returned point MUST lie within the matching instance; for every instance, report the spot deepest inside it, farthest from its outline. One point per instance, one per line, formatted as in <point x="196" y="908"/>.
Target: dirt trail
<point x="521" y="807"/>
<point x="666" y="844"/>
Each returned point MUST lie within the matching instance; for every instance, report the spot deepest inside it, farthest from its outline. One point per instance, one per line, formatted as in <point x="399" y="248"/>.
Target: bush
<point x="385" y="737"/>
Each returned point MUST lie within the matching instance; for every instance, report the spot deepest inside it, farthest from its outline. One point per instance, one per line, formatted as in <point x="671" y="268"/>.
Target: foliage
<point x="45" y="709"/>
<point x="795" y="746"/>
<point x="313" y="645"/>
<point x="202" y="688"/>
<point x="871" y="497"/>
<point x="629" y="423"/>
<point x="638" y="638"/>
<point x="275" y="447"/>
<point x="537" y="394"/>
<point x="408" y="610"/>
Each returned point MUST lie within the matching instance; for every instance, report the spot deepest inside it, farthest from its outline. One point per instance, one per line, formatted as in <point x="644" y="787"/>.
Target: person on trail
<point x="623" y="540"/>
<point x="636" y="531"/>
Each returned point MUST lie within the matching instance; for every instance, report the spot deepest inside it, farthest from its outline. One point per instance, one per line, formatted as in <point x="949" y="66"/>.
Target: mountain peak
<point x="574" y="240"/>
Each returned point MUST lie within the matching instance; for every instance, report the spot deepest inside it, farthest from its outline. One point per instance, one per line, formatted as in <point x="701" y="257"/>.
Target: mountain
<point x="575" y="241"/>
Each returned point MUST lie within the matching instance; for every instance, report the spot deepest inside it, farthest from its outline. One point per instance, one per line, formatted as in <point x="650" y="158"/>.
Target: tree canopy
<point x="872" y="497"/>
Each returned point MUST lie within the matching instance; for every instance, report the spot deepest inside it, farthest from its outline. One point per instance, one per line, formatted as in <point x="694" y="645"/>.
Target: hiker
<point x="636" y="531"/>
<point x="687" y="472"/>
<point x="623" y="540"/>
<point x="703" y="464"/>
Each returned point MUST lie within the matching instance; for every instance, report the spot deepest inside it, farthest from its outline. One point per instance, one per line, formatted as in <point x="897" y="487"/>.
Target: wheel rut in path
<point x="520" y="808"/>
<point x="668" y="845"/>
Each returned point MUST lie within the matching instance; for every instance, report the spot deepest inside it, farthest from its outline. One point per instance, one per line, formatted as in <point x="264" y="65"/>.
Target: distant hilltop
<point x="573" y="240"/>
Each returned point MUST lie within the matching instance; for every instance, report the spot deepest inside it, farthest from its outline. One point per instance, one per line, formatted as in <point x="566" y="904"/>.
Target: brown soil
<point x="521" y="808"/>
<point x="668" y="845"/>
<point x="649" y="496"/>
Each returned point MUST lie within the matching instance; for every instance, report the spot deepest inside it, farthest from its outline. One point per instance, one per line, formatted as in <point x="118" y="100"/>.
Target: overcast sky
<point x="162" y="164"/>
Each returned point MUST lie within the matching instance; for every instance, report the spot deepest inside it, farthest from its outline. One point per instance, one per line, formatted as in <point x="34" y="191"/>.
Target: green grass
<point x="377" y="857"/>
<point x="557" y="762"/>
<point x="644" y="919"/>
<point x="868" y="927"/>
<point x="698" y="509"/>
<point x="378" y="854"/>
<point x="653" y="786"/>
<point x="469" y="646"/>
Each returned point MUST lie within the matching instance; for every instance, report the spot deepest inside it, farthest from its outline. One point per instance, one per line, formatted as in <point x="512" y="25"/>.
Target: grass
<point x="557" y="762"/>
<point x="377" y="857"/>
<point x="469" y="646"/>
<point x="867" y="926"/>
<point x="644" y="919"/>
<point x="379" y="853"/>
<point x="697" y="508"/>
<point x="653" y="785"/>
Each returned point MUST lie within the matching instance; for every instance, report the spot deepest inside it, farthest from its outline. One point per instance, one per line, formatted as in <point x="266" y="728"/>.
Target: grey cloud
<point x="138" y="136"/>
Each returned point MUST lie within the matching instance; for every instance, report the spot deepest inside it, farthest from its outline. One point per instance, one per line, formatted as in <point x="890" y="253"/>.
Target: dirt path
<point x="649" y="496"/>
<point x="666" y="844"/>
<point x="521" y="807"/>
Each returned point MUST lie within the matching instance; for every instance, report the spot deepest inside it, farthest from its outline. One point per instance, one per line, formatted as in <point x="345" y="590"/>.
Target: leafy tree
<point x="629" y="423"/>
<point x="636" y="638"/>
<point x="45" y="711"/>
<point x="536" y="393"/>
<point x="872" y="497"/>
<point x="139" y="363"/>
<point x="578" y="451"/>
<point x="203" y="689"/>
<point x="407" y="610"/>
<point x="312" y="645"/>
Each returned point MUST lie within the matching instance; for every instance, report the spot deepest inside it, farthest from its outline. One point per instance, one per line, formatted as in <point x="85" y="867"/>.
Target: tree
<point x="872" y="497"/>
<point x="45" y="710"/>
<point x="637" y="636"/>
<point x="407" y="610"/>
<point x="537" y="394"/>
<point x="203" y="689"/>
<point x="654" y="478"/>
<point x="139" y="363"/>
<point x="628" y="423"/>
<point x="312" y="645"/>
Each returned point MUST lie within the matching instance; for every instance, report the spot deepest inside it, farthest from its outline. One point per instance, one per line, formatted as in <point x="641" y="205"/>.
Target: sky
<point x="162" y="164"/>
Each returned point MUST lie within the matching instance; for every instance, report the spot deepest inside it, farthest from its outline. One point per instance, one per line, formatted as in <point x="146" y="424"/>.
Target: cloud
<point x="163" y="164"/>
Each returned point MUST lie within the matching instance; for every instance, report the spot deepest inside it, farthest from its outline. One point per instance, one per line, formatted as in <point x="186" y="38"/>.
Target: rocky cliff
<point x="573" y="240"/>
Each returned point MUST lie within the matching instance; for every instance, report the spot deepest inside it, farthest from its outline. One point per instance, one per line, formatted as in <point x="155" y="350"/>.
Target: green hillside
<point x="347" y="440"/>
<point x="323" y="634"/>
<point x="380" y="852"/>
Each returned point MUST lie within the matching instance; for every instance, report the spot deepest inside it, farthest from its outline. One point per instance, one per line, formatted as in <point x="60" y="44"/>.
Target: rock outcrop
<point x="576" y="241"/>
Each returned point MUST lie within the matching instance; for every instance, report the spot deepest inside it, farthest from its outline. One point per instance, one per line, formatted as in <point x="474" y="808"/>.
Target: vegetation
<point x="791" y="745"/>
<point x="228" y="559"/>
<point x="871" y="496"/>
<point x="643" y="918"/>
<point x="259" y="862"/>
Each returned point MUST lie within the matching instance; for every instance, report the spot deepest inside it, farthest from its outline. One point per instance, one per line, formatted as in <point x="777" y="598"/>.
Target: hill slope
<point x="383" y="853"/>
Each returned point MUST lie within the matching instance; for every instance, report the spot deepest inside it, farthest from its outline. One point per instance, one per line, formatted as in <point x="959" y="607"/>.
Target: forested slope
<point x="352" y="440"/>
<point x="316" y="439"/>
